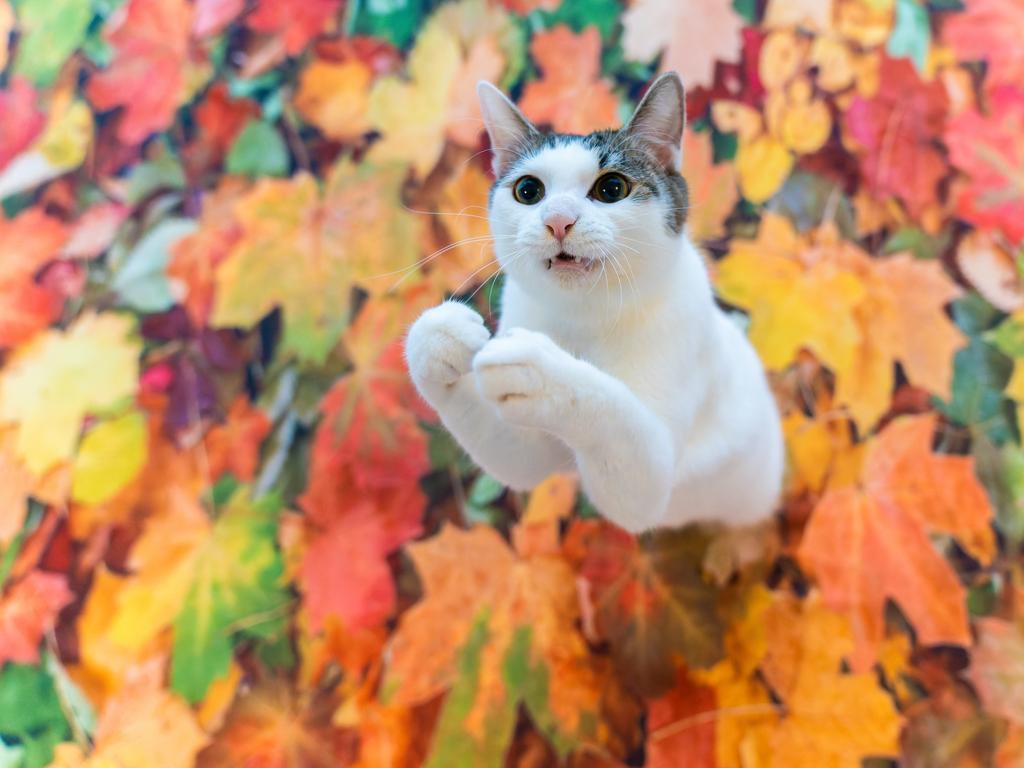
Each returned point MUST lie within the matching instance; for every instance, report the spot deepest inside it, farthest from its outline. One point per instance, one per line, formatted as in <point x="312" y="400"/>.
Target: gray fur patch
<point x="622" y="152"/>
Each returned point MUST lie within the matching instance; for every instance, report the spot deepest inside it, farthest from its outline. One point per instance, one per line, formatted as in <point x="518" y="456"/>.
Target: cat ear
<point x="509" y="130"/>
<point x="660" y="118"/>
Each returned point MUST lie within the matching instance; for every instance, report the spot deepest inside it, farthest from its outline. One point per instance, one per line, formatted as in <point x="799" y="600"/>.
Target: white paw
<point x="441" y="344"/>
<point x="527" y="377"/>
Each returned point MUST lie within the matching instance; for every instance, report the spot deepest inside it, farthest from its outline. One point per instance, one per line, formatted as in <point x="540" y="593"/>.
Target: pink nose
<point x="559" y="224"/>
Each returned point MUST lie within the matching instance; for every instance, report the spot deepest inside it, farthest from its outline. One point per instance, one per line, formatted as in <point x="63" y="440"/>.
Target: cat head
<point x="578" y="220"/>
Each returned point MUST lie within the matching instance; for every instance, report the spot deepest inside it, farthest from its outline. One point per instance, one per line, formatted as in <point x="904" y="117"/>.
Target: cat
<point x="612" y="358"/>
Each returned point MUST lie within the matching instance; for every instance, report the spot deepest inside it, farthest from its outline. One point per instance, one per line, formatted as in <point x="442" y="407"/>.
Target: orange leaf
<point x="27" y="242"/>
<point x="997" y="671"/>
<point x="235" y="445"/>
<point x="713" y="190"/>
<point x="681" y="726"/>
<point x="866" y="545"/>
<point x="570" y="96"/>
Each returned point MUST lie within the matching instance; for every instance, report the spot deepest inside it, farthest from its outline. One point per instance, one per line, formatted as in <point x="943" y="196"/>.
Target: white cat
<point x="611" y="358"/>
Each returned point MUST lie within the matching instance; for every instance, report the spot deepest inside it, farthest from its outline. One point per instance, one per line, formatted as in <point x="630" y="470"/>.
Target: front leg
<point x="440" y="349"/>
<point x="624" y="452"/>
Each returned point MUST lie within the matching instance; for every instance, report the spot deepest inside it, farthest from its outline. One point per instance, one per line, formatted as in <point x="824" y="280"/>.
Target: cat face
<point x="575" y="217"/>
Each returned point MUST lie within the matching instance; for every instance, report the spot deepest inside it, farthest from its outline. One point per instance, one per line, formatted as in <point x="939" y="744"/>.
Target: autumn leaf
<point x="651" y="600"/>
<point x="692" y="37"/>
<point x="832" y="719"/>
<point x="571" y="96"/>
<point x="51" y="383"/>
<point x="211" y="16"/>
<point x="987" y="148"/>
<point x="682" y="725"/>
<point x="302" y="249"/>
<point x="897" y="129"/>
<point x="788" y="283"/>
<point x="986" y="31"/>
<point x="49" y="32"/>
<point x="275" y="726"/>
<point x="22" y="121"/>
<point x="712" y="188"/>
<point x="28" y="609"/>
<point x="27" y="243"/>
<point x="335" y="97"/>
<point x="15" y="484"/>
<point x="870" y="543"/>
<point x="150" y="72"/>
<point x="436" y="99"/>
<point x="235" y="445"/>
<point x="109" y="457"/>
<point x="236" y="587"/>
<point x="295" y="22"/>
<point x="996" y="667"/>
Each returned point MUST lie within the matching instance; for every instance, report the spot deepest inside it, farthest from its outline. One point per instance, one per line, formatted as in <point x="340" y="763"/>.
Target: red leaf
<point x="897" y="129"/>
<point x="27" y="612"/>
<point x="296" y="22"/>
<point x="148" y="75"/>
<point x="20" y="120"/>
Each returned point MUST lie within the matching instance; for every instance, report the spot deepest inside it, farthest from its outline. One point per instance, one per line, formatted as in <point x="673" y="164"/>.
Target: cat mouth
<point x="568" y="263"/>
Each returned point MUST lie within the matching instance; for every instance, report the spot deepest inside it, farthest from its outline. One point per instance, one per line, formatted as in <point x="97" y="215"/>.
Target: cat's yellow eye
<point x="610" y="188"/>
<point x="528" y="190"/>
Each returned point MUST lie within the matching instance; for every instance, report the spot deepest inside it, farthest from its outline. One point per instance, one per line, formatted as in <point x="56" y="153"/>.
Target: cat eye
<point x="528" y="190"/>
<point x="610" y="188"/>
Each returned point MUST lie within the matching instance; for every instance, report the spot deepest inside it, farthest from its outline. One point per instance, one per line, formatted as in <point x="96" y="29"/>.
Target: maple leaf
<point x="234" y="446"/>
<point x="692" y="36"/>
<point x="989" y="150"/>
<point x="897" y="129"/>
<point x="295" y="22"/>
<point x="335" y="97"/>
<point x="211" y="16"/>
<point x="219" y="119"/>
<point x="651" y="599"/>
<point x="436" y="100"/>
<point x="143" y="725"/>
<point x="870" y="543"/>
<point x="148" y="76"/>
<point x="273" y="726"/>
<point x="236" y="586"/>
<point x="109" y="457"/>
<point x="28" y="610"/>
<point x="20" y="120"/>
<point x="682" y="726"/>
<point x="27" y="242"/>
<point x="987" y="30"/>
<point x="876" y="308"/>
<point x="498" y="628"/>
<point x="832" y="720"/>
<point x="712" y="188"/>
<point x="303" y="250"/>
<point x="50" y="383"/>
<point x="571" y="96"/>
<point x="996" y="670"/>
<point x="15" y="484"/>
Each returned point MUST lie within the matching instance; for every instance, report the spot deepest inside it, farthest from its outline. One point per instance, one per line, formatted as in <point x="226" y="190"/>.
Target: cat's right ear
<point x="509" y="130"/>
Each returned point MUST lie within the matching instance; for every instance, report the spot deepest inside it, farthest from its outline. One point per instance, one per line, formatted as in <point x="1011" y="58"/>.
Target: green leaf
<point x="80" y="707"/>
<point x="974" y="315"/>
<point x="30" y="713"/>
<point x="485" y="490"/>
<point x="258" y="150"/>
<point x="918" y="242"/>
<point x="807" y="199"/>
<point x="141" y="282"/>
<point x="11" y="756"/>
<point x="164" y="172"/>
<point x="980" y="373"/>
<point x="1008" y="337"/>
<point x="580" y="14"/>
<point x="50" y="31"/>
<point x="394" y="20"/>
<point x="453" y="744"/>
<point x="911" y="35"/>
<point x="238" y="587"/>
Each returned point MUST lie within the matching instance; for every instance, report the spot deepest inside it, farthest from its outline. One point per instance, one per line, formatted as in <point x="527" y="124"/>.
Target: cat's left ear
<point x="660" y="118"/>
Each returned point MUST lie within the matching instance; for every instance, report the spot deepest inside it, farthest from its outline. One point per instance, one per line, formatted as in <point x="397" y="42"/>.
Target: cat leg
<point x="624" y="452"/>
<point x="440" y="348"/>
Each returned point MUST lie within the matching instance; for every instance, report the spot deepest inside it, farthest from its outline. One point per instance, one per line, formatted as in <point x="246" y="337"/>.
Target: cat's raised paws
<point x="441" y="345"/>
<point x="525" y="375"/>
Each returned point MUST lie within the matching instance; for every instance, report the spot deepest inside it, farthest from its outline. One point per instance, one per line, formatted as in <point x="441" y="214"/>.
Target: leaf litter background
<point x="232" y="536"/>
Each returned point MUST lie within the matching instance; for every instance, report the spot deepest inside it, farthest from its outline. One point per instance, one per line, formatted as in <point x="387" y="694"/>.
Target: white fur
<point x="629" y="374"/>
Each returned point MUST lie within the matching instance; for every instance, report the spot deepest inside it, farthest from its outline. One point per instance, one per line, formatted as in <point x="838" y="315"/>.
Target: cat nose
<point x="559" y="224"/>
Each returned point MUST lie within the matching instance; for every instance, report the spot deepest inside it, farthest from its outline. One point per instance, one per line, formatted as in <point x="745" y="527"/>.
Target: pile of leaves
<point x="230" y="533"/>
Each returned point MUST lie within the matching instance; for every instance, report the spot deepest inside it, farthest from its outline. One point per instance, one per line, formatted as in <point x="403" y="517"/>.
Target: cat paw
<point x="441" y="345"/>
<point x="525" y="375"/>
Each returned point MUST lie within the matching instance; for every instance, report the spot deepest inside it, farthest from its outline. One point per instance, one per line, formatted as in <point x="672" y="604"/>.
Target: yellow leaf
<point x="335" y="97"/>
<point x="15" y="485"/>
<point x="69" y="131"/>
<point x="109" y="457"/>
<point x="53" y="381"/>
<point x="762" y="163"/>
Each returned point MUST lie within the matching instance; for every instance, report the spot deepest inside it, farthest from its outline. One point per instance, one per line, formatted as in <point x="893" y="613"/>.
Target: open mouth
<point x="567" y="262"/>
